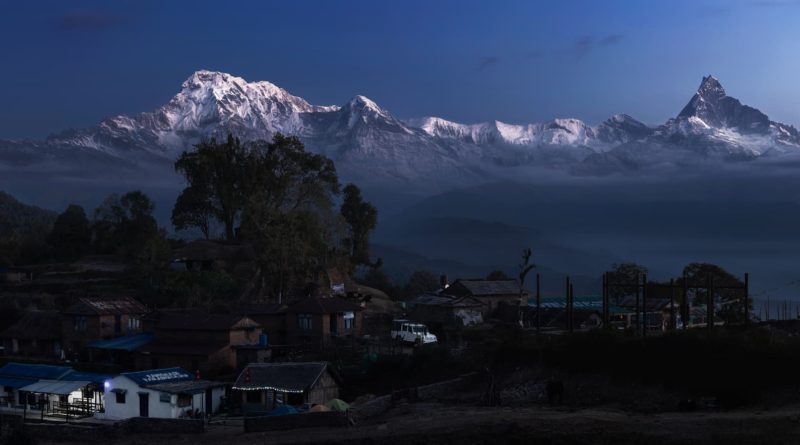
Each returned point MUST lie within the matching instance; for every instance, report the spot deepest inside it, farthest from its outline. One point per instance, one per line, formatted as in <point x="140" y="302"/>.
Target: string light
<point x="271" y="388"/>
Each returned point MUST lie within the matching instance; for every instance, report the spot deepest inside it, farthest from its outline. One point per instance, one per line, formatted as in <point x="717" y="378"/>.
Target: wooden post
<point x="571" y="309"/>
<point x="605" y="300"/>
<point x="672" y="320"/>
<point x="566" y="302"/>
<point x="746" y="298"/>
<point x="538" y="305"/>
<point x="644" y="305"/>
<point x="637" y="327"/>
<point x="710" y="303"/>
<point x="684" y="305"/>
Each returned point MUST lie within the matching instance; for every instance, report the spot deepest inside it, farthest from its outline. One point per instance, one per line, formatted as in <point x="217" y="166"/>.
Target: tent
<point x="319" y="409"/>
<point x="337" y="405"/>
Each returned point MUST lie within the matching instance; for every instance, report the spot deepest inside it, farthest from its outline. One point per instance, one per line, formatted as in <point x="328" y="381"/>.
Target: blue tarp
<point x="154" y="376"/>
<point x="34" y="372"/>
<point x="283" y="410"/>
<point x="127" y="343"/>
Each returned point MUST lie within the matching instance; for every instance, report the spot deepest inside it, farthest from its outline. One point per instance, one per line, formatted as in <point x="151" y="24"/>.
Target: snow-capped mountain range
<point x="370" y="144"/>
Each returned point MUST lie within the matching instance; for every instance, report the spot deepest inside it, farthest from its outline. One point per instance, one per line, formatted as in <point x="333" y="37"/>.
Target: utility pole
<point x="538" y="305"/>
<point x="746" y="298"/>
<point x="644" y="305"/>
<point x="637" y="328"/>
<point x="710" y="304"/>
<point x="672" y="320"/>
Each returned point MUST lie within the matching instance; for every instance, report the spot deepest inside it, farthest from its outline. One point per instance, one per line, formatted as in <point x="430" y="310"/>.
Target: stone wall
<point x="294" y="421"/>
<point x="148" y="425"/>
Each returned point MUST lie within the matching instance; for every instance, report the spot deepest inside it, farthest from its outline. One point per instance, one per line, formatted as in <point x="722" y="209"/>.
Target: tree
<point x="376" y="278"/>
<point x="288" y="212"/>
<point x="726" y="295"/>
<point x="71" y="235"/>
<point x="193" y="210"/>
<point x="496" y="275"/>
<point x="420" y="282"/>
<point x="217" y="173"/>
<point x="361" y="217"/>
<point x="124" y="224"/>
<point x="624" y="279"/>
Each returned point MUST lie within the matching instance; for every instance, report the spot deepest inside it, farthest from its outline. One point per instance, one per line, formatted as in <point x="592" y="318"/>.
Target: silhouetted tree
<point x="496" y="275"/>
<point x="71" y="235"/>
<point x="420" y="282"/>
<point x="124" y="224"/>
<point x="623" y="278"/>
<point x="361" y="218"/>
<point x="193" y="210"/>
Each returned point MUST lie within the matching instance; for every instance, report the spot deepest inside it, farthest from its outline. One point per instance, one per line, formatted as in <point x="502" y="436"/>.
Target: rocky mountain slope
<point x="371" y="145"/>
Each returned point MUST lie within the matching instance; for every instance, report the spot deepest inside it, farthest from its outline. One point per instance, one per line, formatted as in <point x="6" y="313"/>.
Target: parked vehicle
<point x="410" y="332"/>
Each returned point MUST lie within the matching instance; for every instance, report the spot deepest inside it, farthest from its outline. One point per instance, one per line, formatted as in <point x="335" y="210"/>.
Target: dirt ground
<point x="432" y="423"/>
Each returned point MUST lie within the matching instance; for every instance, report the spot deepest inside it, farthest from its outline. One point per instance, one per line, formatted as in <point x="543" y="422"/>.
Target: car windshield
<point x="420" y="329"/>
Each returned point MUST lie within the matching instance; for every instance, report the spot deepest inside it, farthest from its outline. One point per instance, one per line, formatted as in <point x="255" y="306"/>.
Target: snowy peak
<point x="711" y="89"/>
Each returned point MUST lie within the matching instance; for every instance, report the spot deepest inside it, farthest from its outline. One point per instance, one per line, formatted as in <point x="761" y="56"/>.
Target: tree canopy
<point x="71" y="235"/>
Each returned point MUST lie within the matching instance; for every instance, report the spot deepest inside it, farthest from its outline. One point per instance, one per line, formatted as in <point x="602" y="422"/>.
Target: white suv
<point x="409" y="332"/>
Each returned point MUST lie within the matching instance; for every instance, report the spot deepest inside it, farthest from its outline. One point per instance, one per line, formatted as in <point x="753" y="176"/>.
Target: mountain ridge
<point x="368" y="143"/>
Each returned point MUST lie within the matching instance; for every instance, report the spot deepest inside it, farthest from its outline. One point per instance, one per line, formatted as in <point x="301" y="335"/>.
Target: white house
<point x="168" y="393"/>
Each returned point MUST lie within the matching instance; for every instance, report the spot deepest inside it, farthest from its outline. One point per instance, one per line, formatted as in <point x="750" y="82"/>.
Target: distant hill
<point x="22" y="219"/>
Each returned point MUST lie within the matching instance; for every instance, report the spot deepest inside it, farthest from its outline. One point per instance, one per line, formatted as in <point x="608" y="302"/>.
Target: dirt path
<point x="445" y="424"/>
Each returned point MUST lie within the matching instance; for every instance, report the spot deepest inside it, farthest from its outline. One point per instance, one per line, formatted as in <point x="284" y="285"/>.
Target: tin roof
<point x="164" y="375"/>
<point x="59" y="387"/>
<point x="33" y="372"/>
<point x="329" y="305"/>
<point x="487" y="288"/>
<point x="186" y="387"/>
<point x="288" y="377"/>
<point x="39" y="325"/>
<point x="106" y="306"/>
<point x="127" y="343"/>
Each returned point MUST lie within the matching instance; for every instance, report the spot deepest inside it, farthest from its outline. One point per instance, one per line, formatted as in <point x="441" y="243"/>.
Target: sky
<point x="71" y="63"/>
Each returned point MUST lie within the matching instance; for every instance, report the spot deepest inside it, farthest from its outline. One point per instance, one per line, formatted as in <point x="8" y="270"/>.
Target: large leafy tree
<point x="217" y="174"/>
<point x="361" y="218"/>
<point x="71" y="235"/>
<point x="288" y="213"/>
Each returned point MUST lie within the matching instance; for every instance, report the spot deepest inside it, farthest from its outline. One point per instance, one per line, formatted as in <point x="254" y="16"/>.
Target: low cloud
<point x="587" y="44"/>
<point x="487" y="62"/>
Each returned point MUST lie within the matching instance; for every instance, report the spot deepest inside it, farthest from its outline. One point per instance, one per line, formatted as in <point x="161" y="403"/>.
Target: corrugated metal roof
<point x="186" y="387"/>
<point x="126" y="343"/>
<point x="444" y="300"/>
<point x="329" y="305"/>
<point x="15" y="383"/>
<point x="32" y="371"/>
<point x="153" y="376"/>
<point x="489" y="287"/>
<point x="93" y="377"/>
<point x="60" y="387"/>
<point x="106" y="306"/>
<point x="294" y="377"/>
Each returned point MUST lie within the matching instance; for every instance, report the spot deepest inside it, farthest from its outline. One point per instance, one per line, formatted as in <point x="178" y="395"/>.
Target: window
<point x="304" y="321"/>
<point x="184" y="400"/>
<point x="349" y="320"/>
<point x="134" y="323"/>
<point x="80" y="324"/>
<point x="121" y="397"/>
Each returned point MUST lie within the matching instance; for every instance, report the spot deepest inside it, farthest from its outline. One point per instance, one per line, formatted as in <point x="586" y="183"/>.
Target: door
<point x="117" y="324"/>
<point x="209" y="401"/>
<point x="144" y="404"/>
<point x="333" y="324"/>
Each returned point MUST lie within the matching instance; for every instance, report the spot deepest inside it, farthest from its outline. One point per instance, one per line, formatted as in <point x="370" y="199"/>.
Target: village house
<point x="37" y="334"/>
<point x="445" y="311"/>
<point x="490" y="292"/>
<point x="265" y="386"/>
<point x="272" y="319"/>
<point x="212" y="343"/>
<point x="54" y="391"/>
<point x="168" y="393"/>
<point x="317" y="322"/>
<point x="92" y="319"/>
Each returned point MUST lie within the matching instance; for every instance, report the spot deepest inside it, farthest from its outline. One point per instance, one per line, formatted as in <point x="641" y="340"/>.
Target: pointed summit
<point x="711" y="89"/>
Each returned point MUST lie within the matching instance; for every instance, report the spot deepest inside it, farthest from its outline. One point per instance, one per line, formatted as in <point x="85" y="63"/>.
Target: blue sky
<point x="72" y="63"/>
